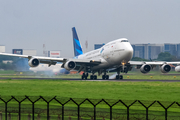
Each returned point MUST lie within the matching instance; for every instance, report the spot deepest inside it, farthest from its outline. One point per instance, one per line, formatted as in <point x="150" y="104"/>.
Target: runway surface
<point x="76" y="79"/>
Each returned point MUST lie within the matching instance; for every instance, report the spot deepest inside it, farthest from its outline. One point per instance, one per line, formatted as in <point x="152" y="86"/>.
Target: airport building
<point x="2" y="48"/>
<point x="97" y="46"/>
<point x="170" y="48"/>
<point x="178" y="50"/>
<point x="151" y="51"/>
<point x="54" y="54"/>
<point x="24" y="52"/>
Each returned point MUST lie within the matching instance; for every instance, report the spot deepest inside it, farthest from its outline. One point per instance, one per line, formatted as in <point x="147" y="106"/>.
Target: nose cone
<point x="128" y="52"/>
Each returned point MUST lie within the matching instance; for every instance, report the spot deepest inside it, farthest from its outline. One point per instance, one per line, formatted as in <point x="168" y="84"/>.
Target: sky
<point x="28" y="24"/>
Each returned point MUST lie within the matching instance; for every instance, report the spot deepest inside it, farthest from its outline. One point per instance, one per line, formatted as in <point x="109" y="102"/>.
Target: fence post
<point x="146" y="108"/>
<point x="78" y="107"/>
<point x="5" y="110"/>
<point x="19" y="113"/>
<point x="127" y="107"/>
<point x="166" y="108"/>
<point x="62" y="107"/>
<point x="94" y="112"/>
<point x="33" y="102"/>
<point x="48" y="105"/>
<point x="63" y="112"/>
<point x="6" y="117"/>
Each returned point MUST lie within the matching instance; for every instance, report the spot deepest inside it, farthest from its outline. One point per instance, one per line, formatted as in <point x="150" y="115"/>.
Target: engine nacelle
<point x="145" y="68"/>
<point x="177" y="68"/>
<point x="69" y="65"/>
<point x="165" y="68"/>
<point x="33" y="62"/>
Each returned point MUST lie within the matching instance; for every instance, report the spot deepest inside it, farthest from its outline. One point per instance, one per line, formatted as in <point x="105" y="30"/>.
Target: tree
<point x="138" y="59"/>
<point x="165" y="56"/>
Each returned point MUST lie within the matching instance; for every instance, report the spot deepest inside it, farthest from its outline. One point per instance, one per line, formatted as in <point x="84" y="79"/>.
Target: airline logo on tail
<point x="77" y="46"/>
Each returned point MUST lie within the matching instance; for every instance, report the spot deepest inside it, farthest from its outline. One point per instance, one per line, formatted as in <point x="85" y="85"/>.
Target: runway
<point x="77" y="79"/>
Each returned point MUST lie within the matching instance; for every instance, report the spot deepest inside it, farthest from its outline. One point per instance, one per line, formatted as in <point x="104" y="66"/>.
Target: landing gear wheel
<point x="107" y="77"/>
<point x="103" y="77"/>
<point x="95" y="77"/>
<point x="120" y="77"/>
<point x="91" y="77"/>
<point x="117" y="77"/>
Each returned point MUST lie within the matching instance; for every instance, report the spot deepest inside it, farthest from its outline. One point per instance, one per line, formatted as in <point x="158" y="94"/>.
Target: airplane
<point x="113" y="56"/>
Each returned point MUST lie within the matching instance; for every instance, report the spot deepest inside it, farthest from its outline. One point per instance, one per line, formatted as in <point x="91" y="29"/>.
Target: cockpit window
<point x="124" y="40"/>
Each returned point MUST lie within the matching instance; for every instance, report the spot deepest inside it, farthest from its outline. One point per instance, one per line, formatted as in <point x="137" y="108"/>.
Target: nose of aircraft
<point x="129" y="51"/>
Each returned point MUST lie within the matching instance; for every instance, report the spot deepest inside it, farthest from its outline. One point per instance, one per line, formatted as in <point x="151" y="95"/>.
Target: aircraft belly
<point x="101" y="66"/>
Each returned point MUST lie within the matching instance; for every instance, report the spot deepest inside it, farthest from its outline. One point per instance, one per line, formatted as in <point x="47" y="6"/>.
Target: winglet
<point x="77" y="46"/>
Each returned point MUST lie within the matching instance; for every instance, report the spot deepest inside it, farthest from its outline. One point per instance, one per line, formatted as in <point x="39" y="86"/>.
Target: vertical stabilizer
<point x="76" y="42"/>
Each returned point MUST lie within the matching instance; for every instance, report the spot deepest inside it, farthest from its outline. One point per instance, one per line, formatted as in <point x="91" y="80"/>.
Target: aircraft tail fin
<point x="76" y="43"/>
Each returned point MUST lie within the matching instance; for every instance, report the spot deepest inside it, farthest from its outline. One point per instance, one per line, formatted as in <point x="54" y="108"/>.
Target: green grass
<point x="148" y="91"/>
<point x="163" y="91"/>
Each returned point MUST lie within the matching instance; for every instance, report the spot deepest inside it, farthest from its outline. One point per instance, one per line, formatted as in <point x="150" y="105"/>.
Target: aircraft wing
<point x="152" y="62"/>
<point x="145" y="67"/>
<point x="81" y="63"/>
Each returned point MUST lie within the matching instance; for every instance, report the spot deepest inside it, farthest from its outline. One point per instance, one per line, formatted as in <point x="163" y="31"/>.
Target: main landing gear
<point x="119" y="77"/>
<point x="93" y="77"/>
<point x="84" y="76"/>
<point x="105" y="77"/>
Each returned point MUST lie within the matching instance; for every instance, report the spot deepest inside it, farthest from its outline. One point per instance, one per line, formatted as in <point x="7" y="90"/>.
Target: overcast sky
<point x="28" y="24"/>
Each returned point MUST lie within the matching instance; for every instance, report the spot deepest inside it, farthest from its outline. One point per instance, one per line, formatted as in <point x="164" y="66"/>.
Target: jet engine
<point x="69" y="65"/>
<point x="165" y="68"/>
<point x="145" y="68"/>
<point x="33" y="62"/>
<point x="177" y="68"/>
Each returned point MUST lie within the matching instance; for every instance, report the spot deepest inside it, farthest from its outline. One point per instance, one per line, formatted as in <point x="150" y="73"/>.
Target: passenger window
<point x="124" y="40"/>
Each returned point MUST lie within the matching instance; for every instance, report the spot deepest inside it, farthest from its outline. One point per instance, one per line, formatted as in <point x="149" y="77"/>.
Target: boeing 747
<point x="113" y="56"/>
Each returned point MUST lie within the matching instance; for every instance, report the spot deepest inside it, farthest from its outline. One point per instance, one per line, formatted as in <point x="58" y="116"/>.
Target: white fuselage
<point x="112" y="54"/>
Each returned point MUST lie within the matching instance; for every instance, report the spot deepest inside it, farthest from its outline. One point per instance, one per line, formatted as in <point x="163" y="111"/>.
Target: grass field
<point x="148" y="91"/>
<point x="163" y="91"/>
